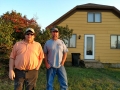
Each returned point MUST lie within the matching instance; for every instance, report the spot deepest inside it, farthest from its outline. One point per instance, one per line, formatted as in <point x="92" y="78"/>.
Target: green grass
<point x="78" y="79"/>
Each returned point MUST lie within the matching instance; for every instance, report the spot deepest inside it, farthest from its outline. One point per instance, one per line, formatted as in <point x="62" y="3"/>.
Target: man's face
<point x="55" y="35"/>
<point x="29" y="36"/>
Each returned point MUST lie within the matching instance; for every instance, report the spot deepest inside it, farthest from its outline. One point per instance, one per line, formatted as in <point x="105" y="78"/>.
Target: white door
<point x="89" y="47"/>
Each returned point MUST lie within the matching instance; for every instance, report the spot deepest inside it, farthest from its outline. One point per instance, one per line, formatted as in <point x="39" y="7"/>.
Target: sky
<point x="47" y="11"/>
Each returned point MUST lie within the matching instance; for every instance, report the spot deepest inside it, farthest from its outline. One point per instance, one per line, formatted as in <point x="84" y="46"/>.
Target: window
<point x="115" y="41"/>
<point x="71" y="42"/>
<point x="94" y="17"/>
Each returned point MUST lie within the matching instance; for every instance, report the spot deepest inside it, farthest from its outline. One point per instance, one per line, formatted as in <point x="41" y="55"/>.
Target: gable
<point x="86" y="7"/>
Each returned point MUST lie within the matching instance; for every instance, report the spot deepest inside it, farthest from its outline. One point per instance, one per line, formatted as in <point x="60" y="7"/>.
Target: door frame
<point x="89" y="57"/>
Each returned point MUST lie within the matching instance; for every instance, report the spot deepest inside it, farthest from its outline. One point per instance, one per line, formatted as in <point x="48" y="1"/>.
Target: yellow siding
<point x="110" y="25"/>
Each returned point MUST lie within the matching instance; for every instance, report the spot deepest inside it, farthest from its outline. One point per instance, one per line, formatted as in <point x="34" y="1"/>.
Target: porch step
<point x="93" y="64"/>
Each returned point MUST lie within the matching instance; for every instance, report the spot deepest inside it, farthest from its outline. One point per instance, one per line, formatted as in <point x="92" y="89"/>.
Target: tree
<point x="6" y="29"/>
<point x="6" y="42"/>
<point x="64" y="33"/>
<point x="20" y="23"/>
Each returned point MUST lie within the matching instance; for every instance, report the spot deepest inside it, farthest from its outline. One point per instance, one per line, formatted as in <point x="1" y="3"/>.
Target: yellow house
<point x="96" y="33"/>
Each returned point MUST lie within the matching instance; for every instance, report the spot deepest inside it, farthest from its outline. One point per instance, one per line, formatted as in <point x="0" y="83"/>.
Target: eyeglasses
<point x="30" y="34"/>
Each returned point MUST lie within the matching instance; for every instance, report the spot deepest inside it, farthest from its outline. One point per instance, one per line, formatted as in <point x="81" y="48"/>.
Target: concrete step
<point x="93" y="64"/>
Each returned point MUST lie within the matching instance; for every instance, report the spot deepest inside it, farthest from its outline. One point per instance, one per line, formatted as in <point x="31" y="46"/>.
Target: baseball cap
<point x="54" y="29"/>
<point x="30" y="29"/>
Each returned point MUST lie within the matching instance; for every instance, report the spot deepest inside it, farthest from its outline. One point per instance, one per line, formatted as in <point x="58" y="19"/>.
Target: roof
<point x="88" y="6"/>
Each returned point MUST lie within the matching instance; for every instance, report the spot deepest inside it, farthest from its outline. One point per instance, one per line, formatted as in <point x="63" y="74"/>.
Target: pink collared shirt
<point x="26" y="55"/>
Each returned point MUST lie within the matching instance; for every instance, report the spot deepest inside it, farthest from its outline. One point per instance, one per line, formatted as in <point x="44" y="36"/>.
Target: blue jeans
<point x="62" y="78"/>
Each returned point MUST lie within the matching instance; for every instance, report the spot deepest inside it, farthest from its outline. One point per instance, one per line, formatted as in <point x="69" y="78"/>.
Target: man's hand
<point x="47" y="65"/>
<point x="62" y="64"/>
<point x="11" y="74"/>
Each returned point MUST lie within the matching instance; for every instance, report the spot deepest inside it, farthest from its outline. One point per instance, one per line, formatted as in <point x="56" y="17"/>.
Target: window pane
<point x="66" y="42"/>
<point x="90" y="17"/>
<point x="73" y="41"/>
<point x="113" y="41"/>
<point x="118" y="41"/>
<point x="89" y="46"/>
<point x="97" y="17"/>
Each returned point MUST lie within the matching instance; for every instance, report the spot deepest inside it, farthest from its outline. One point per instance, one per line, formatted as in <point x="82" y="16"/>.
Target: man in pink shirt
<point x="25" y="60"/>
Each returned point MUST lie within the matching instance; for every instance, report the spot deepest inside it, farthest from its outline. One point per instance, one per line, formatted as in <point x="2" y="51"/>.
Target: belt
<point x="23" y="70"/>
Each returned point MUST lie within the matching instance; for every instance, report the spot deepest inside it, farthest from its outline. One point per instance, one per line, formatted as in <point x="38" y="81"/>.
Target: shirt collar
<point x="26" y="43"/>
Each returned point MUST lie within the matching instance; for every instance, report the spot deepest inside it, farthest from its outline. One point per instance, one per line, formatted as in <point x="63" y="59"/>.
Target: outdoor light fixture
<point x="79" y="36"/>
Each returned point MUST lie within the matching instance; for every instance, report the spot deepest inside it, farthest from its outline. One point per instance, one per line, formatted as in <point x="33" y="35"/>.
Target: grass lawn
<point x="78" y="79"/>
